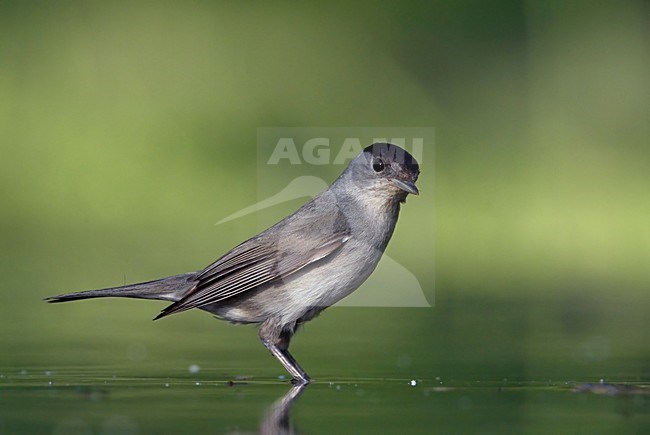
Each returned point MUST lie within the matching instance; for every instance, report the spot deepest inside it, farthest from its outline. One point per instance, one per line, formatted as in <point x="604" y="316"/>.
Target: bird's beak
<point x="405" y="185"/>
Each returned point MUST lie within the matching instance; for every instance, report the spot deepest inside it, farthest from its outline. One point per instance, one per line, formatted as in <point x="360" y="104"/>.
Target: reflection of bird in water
<point x="278" y="417"/>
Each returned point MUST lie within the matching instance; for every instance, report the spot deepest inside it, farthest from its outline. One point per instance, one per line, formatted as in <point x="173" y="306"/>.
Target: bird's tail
<point x="165" y="289"/>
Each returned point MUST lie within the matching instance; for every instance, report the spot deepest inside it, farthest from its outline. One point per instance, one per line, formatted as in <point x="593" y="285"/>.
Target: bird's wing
<point x="312" y="233"/>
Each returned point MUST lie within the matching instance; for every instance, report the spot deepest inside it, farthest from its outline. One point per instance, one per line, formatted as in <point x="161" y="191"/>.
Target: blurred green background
<point x="127" y="129"/>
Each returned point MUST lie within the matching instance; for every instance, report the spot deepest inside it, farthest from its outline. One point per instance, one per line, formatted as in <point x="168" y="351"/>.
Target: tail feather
<point x="165" y="289"/>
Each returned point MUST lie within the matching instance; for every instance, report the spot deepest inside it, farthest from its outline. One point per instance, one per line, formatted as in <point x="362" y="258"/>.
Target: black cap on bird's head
<point x="393" y="164"/>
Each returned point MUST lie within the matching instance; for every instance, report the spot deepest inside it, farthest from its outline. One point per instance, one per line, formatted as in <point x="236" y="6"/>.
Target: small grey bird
<point x="288" y="274"/>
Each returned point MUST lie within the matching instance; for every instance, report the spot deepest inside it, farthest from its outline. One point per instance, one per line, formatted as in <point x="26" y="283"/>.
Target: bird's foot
<point x="300" y="380"/>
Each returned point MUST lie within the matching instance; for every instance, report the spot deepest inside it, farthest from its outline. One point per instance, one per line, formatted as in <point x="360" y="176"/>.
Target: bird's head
<point x="384" y="171"/>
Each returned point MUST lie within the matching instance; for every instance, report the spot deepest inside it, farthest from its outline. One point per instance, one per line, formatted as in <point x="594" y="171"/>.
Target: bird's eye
<point x="378" y="164"/>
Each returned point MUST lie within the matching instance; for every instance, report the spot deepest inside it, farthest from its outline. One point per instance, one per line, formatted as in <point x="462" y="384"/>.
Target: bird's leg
<point x="277" y="342"/>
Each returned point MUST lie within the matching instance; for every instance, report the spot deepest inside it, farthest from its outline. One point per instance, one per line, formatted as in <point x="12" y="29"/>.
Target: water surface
<point x="103" y="400"/>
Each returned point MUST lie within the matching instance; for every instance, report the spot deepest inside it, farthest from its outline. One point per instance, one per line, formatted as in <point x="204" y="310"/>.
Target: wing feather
<point x="270" y="256"/>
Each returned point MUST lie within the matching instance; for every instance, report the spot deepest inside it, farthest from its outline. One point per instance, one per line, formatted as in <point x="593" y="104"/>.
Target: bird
<point x="311" y="259"/>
